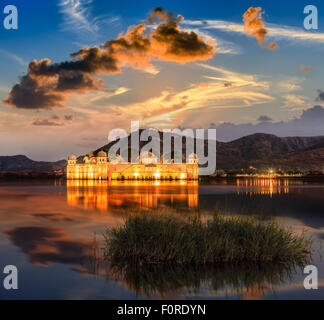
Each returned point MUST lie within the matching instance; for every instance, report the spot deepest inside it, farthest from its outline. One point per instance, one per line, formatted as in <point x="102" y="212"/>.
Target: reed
<point x="169" y="238"/>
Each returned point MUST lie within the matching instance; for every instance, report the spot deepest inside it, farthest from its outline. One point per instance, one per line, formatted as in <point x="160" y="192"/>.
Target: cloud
<point x="53" y="120"/>
<point x="30" y="93"/>
<point x="45" y="245"/>
<point x="308" y="123"/>
<point x="219" y="89"/>
<point x="315" y="114"/>
<point x="47" y="85"/>
<point x="68" y="117"/>
<point x="48" y="122"/>
<point x="290" y="84"/>
<point x="277" y="32"/>
<point x="231" y="78"/>
<point x="76" y="16"/>
<point x="302" y="68"/>
<point x="292" y="100"/>
<point x="255" y="26"/>
<point x="90" y="102"/>
<point x="264" y="119"/>
<point x="223" y="46"/>
<point x="14" y="57"/>
<point x="320" y="96"/>
<point x="222" y="89"/>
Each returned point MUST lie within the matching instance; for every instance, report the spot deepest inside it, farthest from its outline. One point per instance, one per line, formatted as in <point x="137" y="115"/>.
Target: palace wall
<point x="128" y="171"/>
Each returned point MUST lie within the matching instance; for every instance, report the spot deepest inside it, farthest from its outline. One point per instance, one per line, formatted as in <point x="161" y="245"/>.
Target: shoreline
<point x="202" y="179"/>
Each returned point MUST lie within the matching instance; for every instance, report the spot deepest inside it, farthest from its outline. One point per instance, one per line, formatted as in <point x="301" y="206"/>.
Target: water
<point x="52" y="232"/>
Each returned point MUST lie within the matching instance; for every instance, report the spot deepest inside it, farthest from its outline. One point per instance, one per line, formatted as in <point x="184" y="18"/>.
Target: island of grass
<point x="163" y="238"/>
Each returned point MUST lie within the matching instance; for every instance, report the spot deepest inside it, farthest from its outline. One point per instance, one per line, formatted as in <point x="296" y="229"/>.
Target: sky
<point x="263" y="75"/>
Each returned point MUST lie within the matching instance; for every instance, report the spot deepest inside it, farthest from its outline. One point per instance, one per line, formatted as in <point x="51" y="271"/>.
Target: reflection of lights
<point x="103" y="194"/>
<point x="129" y="183"/>
<point x="264" y="186"/>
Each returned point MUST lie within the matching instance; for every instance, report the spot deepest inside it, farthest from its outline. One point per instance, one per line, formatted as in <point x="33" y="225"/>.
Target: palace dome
<point x="102" y="154"/>
<point x="72" y="157"/>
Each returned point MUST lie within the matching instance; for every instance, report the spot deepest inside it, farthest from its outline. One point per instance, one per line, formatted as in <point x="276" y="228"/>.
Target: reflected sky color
<point x="52" y="228"/>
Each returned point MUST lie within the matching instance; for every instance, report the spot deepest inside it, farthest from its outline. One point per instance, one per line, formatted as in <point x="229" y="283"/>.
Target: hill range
<point x="259" y="150"/>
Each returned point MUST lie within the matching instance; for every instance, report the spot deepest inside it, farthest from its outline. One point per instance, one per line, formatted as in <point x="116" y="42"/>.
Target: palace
<point x="99" y="168"/>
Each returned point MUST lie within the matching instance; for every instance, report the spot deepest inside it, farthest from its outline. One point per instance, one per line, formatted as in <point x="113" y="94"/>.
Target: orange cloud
<point x="303" y="68"/>
<point x="47" y="85"/>
<point x="254" y="26"/>
<point x="272" y="46"/>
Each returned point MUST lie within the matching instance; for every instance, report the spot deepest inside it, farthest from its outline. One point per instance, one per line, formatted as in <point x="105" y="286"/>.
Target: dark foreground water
<point x="52" y="232"/>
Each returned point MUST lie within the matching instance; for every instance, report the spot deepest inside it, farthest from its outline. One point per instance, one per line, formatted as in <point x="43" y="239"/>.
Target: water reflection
<point x="44" y="245"/>
<point x="45" y="225"/>
<point x="252" y="186"/>
<point x="248" y="281"/>
<point x="105" y="195"/>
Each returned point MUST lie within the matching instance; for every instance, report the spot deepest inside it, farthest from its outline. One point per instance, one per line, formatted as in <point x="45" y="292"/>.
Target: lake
<point x="52" y="232"/>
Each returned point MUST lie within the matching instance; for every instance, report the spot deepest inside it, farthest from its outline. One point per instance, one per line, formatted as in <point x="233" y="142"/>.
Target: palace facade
<point x="99" y="168"/>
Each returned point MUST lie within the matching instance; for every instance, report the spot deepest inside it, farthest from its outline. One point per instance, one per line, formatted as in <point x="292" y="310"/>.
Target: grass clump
<point x="156" y="238"/>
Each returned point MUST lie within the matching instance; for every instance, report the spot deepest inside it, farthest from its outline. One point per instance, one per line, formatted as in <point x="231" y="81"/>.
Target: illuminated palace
<point x="99" y="168"/>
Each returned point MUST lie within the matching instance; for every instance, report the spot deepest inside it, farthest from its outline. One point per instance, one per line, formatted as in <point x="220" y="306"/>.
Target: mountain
<point x="22" y="163"/>
<point x="264" y="151"/>
<point x="259" y="150"/>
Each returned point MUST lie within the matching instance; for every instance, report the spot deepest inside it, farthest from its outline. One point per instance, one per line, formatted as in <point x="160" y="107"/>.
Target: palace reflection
<point x="105" y="195"/>
<point x="250" y="186"/>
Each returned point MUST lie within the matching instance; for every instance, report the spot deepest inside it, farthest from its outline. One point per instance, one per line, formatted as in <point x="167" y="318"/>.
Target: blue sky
<point x="281" y="84"/>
